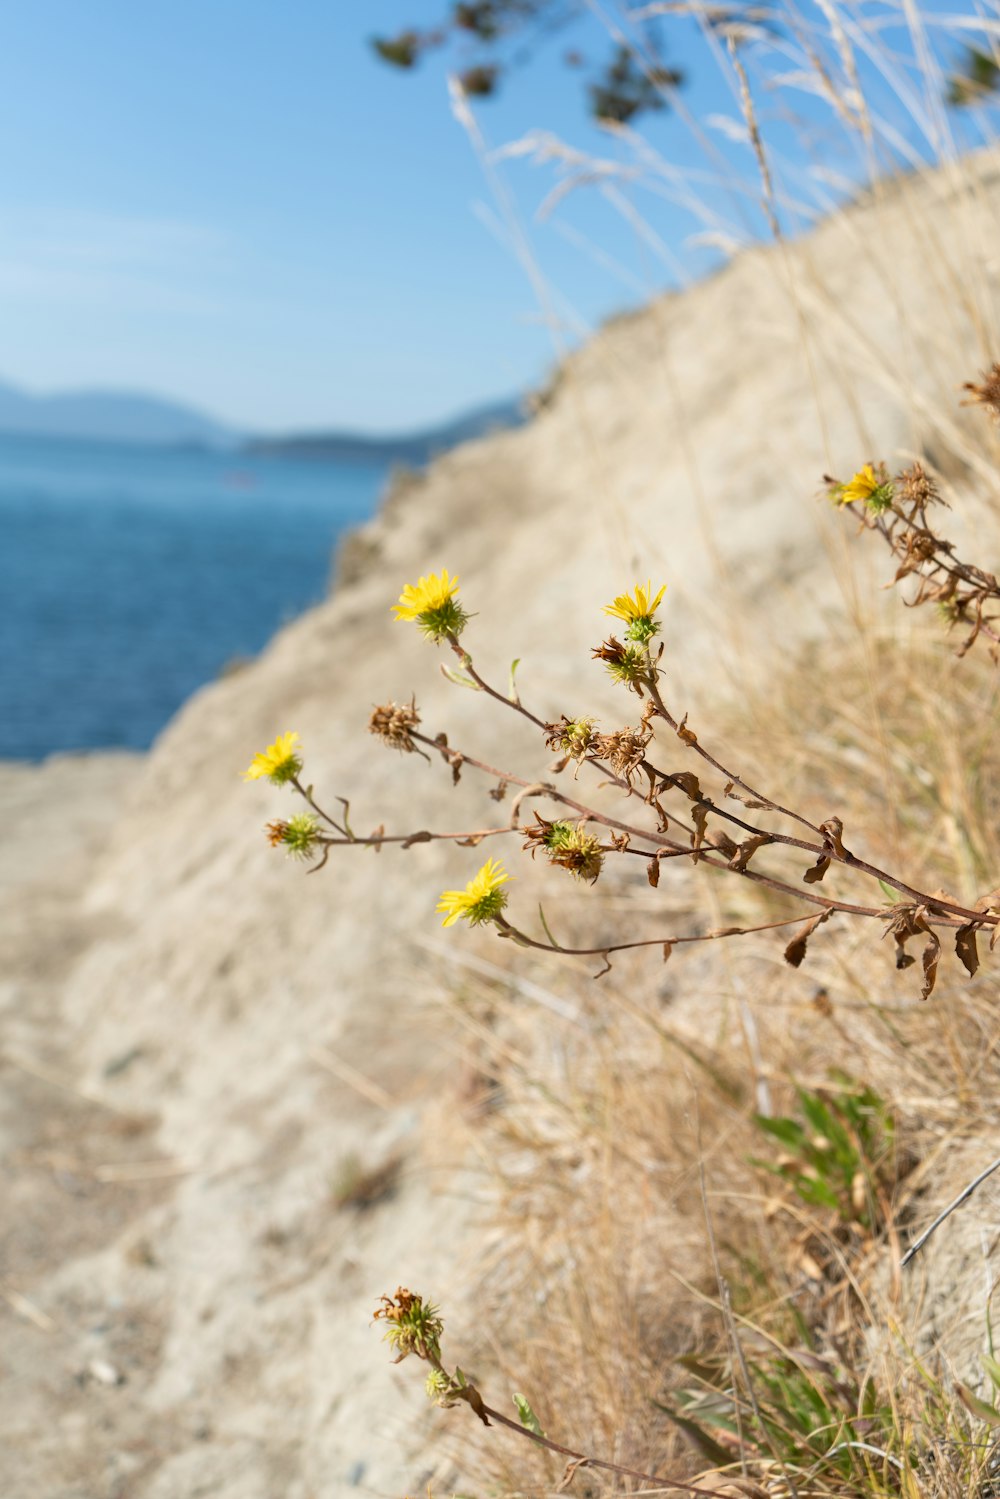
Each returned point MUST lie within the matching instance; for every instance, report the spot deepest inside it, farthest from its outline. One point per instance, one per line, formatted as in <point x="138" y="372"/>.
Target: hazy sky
<point x="233" y="203"/>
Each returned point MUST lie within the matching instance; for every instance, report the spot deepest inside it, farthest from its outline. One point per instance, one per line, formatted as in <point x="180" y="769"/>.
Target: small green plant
<point x="804" y="1412"/>
<point x="841" y="1154"/>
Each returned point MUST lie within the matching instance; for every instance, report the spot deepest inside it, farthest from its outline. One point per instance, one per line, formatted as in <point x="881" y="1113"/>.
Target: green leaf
<point x="788" y="1131"/>
<point x="825" y="1122"/>
<point x="512" y="690"/>
<point x="889" y="893"/>
<point x="459" y="679"/>
<point x="700" y="1439"/>
<point x="817" y="1193"/>
<point x="545" y="926"/>
<point x="992" y="1368"/>
<point x="346" y="815"/>
<point x="980" y="1408"/>
<point x="527" y="1416"/>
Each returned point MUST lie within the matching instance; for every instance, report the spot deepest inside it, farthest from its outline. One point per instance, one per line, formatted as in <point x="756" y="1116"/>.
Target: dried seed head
<point x="624" y="750"/>
<point x="987" y="394"/>
<point x="567" y="844"/>
<point x="916" y="487"/>
<point x="412" y="1325"/>
<point x="573" y="736"/>
<point x="952" y="609"/>
<point x="393" y="723"/>
<point x="626" y="663"/>
<point x="297" y="835"/>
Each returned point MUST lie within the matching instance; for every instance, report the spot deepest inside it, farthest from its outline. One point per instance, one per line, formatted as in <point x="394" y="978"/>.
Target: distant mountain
<point x="131" y="417"/>
<point x="107" y="416"/>
<point x="407" y="447"/>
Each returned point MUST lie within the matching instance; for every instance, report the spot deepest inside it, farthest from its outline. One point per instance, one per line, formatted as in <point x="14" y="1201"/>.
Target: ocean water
<point x="131" y="576"/>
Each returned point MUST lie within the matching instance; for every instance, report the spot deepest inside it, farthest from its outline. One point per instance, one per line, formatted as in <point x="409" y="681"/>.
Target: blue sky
<point x="236" y="205"/>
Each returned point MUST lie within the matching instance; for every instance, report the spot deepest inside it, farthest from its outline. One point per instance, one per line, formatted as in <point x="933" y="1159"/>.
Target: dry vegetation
<point x="667" y="1278"/>
<point x="704" y="1179"/>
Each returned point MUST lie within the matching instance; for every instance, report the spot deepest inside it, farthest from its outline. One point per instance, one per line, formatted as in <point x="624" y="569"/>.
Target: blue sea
<point x="130" y="576"/>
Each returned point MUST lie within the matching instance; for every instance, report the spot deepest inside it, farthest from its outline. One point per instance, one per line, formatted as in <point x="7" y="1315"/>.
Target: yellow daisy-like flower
<point x="861" y="487"/>
<point x="280" y="762"/>
<point x="432" y="604"/>
<point x="482" y="899"/>
<point x="640" y="606"/>
<point x="874" y="490"/>
<point x="636" y="609"/>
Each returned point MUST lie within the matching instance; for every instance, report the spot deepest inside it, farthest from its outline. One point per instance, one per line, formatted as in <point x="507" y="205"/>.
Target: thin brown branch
<point x="523" y="940"/>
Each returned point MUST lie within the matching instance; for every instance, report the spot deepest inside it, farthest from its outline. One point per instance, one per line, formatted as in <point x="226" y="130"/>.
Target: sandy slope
<point x="175" y="1219"/>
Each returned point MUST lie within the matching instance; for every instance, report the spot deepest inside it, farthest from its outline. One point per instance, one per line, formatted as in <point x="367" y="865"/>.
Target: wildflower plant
<point x="667" y="813"/>
<point x="481" y="901"/>
<point x="431" y="603"/>
<point x="279" y="763"/>
<point x="414" y="1326"/>
<point x="900" y="508"/>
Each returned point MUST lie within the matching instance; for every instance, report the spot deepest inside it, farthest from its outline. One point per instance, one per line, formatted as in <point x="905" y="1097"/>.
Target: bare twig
<point x="963" y="1196"/>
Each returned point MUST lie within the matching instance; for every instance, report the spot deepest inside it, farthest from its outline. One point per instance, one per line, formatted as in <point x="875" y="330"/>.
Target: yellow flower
<point x="861" y="487"/>
<point x="636" y="609"/>
<point x="876" y="491"/>
<point x="481" y="900"/>
<point x="431" y="603"/>
<point x="640" y="607"/>
<point x="280" y="762"/>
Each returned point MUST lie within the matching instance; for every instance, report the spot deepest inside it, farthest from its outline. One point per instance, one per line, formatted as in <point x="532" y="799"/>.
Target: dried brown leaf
<point x="699" y="816"/>
<point x="653" y="872"/>
<point x="833" y="830"/>
<point x="965" y="947"/>
<point x="668" y="948"/>
<point x="570" y="1473"/>
<point x="738" y="796"/>
<point x="907" y="922"/>
<point x="470" y="1394"/>
<point x="722" y="841"/>
<point x="931" y="956"/>
<point x="796" y="949"/>
<point x="815" y="874"/>
<point x="747" y="849"/>
<point x="684" y="733"/>
<point x="686" y="781"/>
<point x="422" y="837"/>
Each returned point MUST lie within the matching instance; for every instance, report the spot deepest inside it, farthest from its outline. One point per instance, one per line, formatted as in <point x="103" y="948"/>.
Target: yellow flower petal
<point x="639" y="604"/>
<point x="428" y="593"/>
<point x="861" y="487"/>
<point x="481" y="900"/>
<point x="280" y="758"/>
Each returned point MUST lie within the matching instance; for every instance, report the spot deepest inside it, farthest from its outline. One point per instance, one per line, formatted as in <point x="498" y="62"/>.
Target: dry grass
<point x="621" y="1143"/>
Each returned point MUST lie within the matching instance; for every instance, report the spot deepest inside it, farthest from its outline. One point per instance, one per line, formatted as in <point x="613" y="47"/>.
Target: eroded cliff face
<point x="251" y="1027"/>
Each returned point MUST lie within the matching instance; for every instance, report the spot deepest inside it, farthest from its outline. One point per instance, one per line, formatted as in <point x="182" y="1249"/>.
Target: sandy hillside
<point x="212" y="1035"/>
